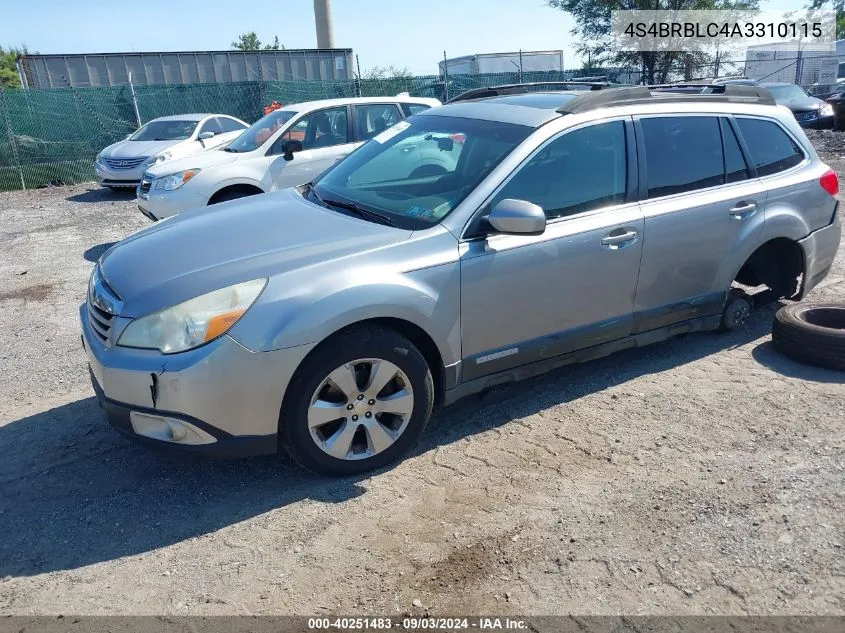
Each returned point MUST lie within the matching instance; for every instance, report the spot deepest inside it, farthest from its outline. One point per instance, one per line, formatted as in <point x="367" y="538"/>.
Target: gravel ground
<point x="700" y="475"/>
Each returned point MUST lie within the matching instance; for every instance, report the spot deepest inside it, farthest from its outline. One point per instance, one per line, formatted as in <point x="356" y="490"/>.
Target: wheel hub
<point x="360" y="409"/>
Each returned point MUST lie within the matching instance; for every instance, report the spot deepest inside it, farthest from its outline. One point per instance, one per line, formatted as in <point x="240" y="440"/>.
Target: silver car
<point x="328" y="320"/>
<point x="121" y="164"/>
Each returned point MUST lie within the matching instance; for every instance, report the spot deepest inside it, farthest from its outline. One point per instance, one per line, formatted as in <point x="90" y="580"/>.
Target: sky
<point x="410" y="35"/>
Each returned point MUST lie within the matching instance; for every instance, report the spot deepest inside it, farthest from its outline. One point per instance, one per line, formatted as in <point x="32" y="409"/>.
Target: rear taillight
<point x="830" y="182"/>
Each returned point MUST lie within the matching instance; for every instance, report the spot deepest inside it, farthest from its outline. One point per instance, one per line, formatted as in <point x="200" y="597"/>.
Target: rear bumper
<point x="820" y="248"/>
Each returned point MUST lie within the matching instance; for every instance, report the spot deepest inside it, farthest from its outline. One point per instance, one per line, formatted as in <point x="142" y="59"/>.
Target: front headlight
<point x="174" y="181"/>
<point x="194" y="322"/>
<point x="160" y="158"/>
<point x="826" y="110"/>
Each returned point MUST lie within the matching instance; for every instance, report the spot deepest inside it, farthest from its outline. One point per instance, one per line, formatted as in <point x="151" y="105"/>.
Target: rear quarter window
<point x="772" y="150"/>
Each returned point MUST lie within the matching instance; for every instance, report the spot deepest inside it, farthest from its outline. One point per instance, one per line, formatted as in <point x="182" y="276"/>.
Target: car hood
<point x="136" y="149"/>
<point x="203" y="160"/>
<point x="214" y="247"/>
<point x="802" y="103"/>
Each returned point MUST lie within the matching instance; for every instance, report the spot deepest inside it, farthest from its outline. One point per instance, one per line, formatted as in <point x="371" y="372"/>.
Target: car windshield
<point x="165" y="131"/>
<point x="257" y="134"/>
<point x="785" y="93"/>
<point x="415" y="173"/>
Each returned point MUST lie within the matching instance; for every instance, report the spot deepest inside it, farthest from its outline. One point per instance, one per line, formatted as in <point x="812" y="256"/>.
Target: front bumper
<point x="821" y="123"/>
<point x="820" y="248"/>
<point x="231" y="394"/>
<point x="108" y="177"/>
<point x="159" y="205"/>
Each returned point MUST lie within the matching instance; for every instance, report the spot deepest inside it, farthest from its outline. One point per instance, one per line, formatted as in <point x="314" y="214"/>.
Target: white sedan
<point x="167" y="138"/>
<point x="285" y="148"/>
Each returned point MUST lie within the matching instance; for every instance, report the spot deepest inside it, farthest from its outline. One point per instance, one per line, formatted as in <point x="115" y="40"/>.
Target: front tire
<point x="358" y="402"/>
<point x="230" y="195"/>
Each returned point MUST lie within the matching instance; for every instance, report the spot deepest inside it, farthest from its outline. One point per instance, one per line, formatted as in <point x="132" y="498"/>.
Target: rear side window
<point x="682" y="154"/>
<point x="771" y="149"/>
<point x="735" y="167"/>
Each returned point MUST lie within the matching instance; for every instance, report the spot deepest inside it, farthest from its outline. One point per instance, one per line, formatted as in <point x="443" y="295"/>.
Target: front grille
<point x="103" y="306"/>
<point x="807" y="115"/>
<point x="124" y="163"/>
<point x="100" y="322"/>
<point x="146" y="183"/>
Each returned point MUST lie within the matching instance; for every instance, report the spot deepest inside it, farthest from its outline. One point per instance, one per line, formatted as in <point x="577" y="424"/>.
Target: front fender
<point x="429" y="299"/>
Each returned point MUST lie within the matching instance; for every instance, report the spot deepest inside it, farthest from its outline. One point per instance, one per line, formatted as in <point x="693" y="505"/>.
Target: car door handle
<point x="616" y="239"/>
<point x="743" y="210"/>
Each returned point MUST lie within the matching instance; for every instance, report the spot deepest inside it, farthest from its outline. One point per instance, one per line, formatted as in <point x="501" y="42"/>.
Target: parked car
<point x="810" y="112"/>
<point x="837" y="103"/>
<point x="121" y="164"/>
<point x="287" y="147"/>
<point x="327" y="320"/>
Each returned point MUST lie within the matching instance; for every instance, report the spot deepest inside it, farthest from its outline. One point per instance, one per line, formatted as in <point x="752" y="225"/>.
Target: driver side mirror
<point x="290" y="147"/>
<point x="517" y="217"/>
<point x="205" y="135"/>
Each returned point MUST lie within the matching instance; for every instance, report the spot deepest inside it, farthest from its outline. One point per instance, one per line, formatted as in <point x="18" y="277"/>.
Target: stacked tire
<point x="812" y="333"/>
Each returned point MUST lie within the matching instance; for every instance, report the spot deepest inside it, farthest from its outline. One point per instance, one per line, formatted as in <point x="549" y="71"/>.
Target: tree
<point x="592" y="18"/>
<point x="251" y="42"/>
<point x="838" y="7"/>
<point x="386" y="72"/>
<point x="9" y="77"/>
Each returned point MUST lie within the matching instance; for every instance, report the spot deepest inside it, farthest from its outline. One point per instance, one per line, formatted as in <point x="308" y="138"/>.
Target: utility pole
<point x="323" y="21"/>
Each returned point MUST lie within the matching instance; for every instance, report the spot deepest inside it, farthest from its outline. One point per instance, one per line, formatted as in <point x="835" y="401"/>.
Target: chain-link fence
<point x="51" y="137"/>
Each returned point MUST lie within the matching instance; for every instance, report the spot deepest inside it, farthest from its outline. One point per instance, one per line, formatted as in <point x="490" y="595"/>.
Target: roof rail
<point x="730" y="93"/>
<point x="514" y="89"/>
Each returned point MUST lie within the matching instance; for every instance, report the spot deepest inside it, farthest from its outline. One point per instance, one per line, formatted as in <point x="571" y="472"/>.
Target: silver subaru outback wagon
<point x="484" y="241"/>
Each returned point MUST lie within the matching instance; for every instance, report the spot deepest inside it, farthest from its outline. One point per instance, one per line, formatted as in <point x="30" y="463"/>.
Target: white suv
<point x="285" y="148"/>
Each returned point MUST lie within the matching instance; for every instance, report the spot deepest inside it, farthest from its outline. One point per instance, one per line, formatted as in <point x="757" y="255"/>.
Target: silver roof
<point x="532" y="108"/>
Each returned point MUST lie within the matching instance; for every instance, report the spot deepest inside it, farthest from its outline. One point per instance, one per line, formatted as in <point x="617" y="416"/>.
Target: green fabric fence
<point x="51" y="137"/>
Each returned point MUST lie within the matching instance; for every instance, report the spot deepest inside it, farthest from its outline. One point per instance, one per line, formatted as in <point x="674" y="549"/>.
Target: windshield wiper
<point x="349" y="206"/>
<point x="365" y="214"/>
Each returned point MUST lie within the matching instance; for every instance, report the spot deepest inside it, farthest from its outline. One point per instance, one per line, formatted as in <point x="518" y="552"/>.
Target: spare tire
<point x="812" y="333"/>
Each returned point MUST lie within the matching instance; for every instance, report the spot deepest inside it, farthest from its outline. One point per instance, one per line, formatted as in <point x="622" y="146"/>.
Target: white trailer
<point x="802" y="63"/>
<point x="483" y="63"/>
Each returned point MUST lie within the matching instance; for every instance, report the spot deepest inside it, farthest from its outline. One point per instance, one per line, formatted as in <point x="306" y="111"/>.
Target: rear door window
<point x="682" y="154"/>
<point x="771" y="148"/>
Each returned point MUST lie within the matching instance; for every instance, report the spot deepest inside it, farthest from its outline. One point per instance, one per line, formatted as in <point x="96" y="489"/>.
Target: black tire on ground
<point x="366" y="342"/>
<point x="812" y="333"/>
